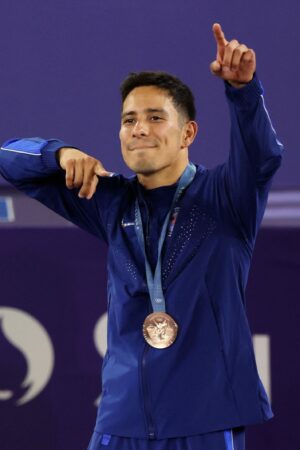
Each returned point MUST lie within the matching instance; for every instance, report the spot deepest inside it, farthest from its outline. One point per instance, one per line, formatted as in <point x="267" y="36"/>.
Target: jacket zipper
<point x="147" y="405"/>
<point x="145" y="386"/>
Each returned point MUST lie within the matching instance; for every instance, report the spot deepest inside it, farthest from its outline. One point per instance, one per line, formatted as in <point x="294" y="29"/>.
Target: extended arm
<point x="255" y="155"/>
<point x="52" y="173"/>
<point x="255" y="151"/>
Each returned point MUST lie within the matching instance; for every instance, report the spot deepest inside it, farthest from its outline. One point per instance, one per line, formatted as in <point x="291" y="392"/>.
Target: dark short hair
<point x="180" y="93"/>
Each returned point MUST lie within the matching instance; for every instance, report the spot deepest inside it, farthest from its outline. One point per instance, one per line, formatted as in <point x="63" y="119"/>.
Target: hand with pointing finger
<point x="235" y="62"/>
<point x="82" y="171"/>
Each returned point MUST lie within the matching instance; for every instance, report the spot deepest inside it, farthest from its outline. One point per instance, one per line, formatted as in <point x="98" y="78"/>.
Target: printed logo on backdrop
<point x="261" y="343"/>
<point x="27" y="337"/>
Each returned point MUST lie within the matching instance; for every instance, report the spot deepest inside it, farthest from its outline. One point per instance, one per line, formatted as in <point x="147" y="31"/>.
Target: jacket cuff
<point x="247" y="95"/>
<point x="49" y="154"/>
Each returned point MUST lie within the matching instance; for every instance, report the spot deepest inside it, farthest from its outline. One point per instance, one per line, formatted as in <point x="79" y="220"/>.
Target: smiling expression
<point x="152" y="131"/>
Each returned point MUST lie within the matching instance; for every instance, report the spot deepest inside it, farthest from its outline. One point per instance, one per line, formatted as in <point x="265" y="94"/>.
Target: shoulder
<point x="114" y="187"/>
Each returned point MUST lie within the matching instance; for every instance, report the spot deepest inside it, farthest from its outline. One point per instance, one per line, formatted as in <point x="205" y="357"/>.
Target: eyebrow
<point x="148" y="110"/>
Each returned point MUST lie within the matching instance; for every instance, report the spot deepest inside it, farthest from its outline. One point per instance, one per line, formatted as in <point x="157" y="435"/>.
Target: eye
<point x="155" y="118"/>
<point x="128" y="121"/>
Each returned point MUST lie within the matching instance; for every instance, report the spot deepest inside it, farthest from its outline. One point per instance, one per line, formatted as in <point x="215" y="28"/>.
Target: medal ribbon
<point x="154" y="283"/>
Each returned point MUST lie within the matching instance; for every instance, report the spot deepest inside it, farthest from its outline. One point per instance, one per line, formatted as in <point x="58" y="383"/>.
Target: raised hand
<point x="235" y="62"/>
<point x="82" y="171"/>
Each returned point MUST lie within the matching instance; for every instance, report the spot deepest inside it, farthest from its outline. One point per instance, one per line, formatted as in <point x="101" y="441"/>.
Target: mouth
<point x="141" y="145"/>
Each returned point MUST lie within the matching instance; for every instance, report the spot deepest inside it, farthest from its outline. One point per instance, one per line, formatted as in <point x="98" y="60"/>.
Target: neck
<point x="164" y="177"/>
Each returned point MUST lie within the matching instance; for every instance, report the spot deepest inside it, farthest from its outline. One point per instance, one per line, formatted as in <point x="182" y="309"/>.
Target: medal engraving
<point x="160" y="330"/>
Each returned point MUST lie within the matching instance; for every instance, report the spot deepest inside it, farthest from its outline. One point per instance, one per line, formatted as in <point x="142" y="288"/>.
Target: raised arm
<point x="255" y="152"/>
<point x="62" y="178"/>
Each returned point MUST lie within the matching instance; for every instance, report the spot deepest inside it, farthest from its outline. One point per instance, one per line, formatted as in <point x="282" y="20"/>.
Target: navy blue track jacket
<point x="207" y="380"/>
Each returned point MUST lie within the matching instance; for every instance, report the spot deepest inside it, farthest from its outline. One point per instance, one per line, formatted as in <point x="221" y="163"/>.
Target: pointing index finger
<point x="219" y="35"/>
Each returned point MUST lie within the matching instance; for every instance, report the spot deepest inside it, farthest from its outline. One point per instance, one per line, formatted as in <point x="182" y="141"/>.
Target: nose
<point x="140" y="129"/>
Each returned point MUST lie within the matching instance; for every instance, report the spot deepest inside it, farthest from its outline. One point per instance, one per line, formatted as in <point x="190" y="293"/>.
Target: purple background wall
<point x="62" y="62"/>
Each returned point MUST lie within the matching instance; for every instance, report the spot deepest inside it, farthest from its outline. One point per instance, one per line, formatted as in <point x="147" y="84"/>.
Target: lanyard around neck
<point x="154" y="282"/>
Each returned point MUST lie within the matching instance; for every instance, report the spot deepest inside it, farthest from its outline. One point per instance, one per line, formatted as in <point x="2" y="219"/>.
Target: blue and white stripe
<point x="228" y="436"/>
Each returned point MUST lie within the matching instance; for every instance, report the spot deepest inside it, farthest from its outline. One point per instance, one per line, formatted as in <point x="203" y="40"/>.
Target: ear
<point x="189" y="132"/>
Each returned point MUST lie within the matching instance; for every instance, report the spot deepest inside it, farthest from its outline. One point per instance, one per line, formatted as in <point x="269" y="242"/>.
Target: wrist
<point x="246" y="97"/>
<point x="238" y="84"/>
<point x="65" y="153"/>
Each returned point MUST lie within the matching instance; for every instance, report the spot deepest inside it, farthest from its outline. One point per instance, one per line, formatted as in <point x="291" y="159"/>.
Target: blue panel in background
<point x="6" y="209"/>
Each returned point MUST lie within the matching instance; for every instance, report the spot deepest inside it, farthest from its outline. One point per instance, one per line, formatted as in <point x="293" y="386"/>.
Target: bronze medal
<point x="160" y="330"/>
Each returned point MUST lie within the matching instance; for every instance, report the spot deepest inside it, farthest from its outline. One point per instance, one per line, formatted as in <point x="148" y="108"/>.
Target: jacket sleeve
<point x="255" y="155"/>
<point x="30" y="164"/>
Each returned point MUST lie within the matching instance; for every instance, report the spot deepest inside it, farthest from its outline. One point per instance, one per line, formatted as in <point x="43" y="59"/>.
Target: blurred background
<point x="61" y="67"/>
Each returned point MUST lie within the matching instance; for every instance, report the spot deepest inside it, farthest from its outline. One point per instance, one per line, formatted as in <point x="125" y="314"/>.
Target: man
<point x="179" y="372"/>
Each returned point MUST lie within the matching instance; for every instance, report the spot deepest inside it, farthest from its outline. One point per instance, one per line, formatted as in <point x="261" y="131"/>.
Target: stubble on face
<point x="146" y="164"/>
<point x="155" y="136"/>
<point x="144" y="167"/>
<point x="142" y="156"/>
<point x="150" y="130"/>
<point x="152" y="136"/>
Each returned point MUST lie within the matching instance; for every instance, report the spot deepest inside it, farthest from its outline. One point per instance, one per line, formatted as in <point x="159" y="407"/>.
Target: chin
<point x="143" y="167"/>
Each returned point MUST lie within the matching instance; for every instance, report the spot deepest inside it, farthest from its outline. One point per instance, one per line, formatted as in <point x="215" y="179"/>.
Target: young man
<point x="179" y="372"/>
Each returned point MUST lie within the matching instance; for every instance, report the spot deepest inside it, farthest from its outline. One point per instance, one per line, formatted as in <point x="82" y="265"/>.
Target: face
<point x="152" y="130"/>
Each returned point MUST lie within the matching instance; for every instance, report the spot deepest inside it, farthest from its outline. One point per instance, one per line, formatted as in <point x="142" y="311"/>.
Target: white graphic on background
<point x="100" y="340"/>
<point x="29" y="336"/>
<point x="262" y="349"/>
